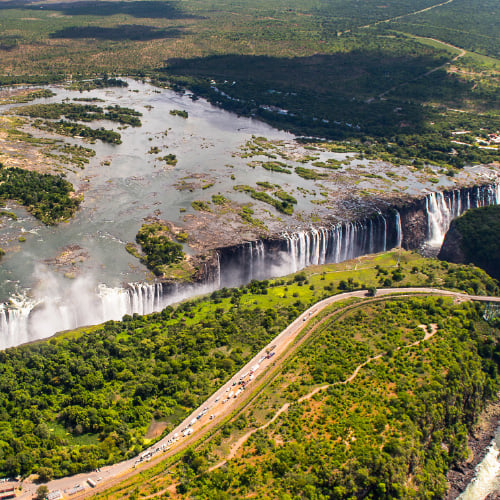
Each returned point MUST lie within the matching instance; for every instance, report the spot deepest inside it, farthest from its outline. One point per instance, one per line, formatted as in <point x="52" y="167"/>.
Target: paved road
<point x="214" y="404"/>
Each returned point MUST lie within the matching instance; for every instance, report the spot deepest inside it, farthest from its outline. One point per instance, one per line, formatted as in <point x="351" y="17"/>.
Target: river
<point x="487" y="478"/>
<point x="125" y="184"/>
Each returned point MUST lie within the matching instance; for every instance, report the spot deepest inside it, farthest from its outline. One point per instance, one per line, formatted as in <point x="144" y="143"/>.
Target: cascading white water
<point x="399" y="230"/>
<point x="338" y="243"/>
<point x="25" y="319"/>
<point x="14" y="320"/>
<point x="438" y="218"/>
<point x="486" y="480"/>
<point x="441" y="209"/>
<point x="28" y="319"/>
<point x="256" y="259"/>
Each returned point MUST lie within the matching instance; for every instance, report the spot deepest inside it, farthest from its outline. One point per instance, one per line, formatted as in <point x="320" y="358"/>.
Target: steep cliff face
<point x="475" y="237"/>
<point x="452" y="246"/>
<point x="414" y="224"/>
<point x="419" y="223"/>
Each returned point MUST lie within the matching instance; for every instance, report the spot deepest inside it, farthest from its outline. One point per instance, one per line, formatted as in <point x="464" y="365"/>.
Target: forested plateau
<point x="87" y="398"/>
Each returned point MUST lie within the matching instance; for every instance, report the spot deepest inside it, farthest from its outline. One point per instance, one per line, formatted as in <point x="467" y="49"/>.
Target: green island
<point x="48" y="197"/>
<point x="82" y="112"/>
<point x="63" y="127"/>
<point x="284" y="204"/>
<point x="179" y="112"/>
<point x="157" y="247"/>
<point x="96" y="395"/>
<point x="97" y="83"/>
<point x="169" y="159"/>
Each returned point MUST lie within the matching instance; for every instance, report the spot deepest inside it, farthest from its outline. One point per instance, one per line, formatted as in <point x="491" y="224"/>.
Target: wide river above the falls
<point x="124" y="183"/>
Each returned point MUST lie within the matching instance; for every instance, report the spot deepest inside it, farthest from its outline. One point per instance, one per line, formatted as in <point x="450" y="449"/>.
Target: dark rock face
<point x="452" y="246"/>
<point x="417" y="224"/>
<point x="475" y="238"/>
<point x="414" y="224"/>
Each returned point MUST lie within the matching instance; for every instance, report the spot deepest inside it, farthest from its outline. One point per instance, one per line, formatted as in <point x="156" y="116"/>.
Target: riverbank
<point x="478" y="443"/>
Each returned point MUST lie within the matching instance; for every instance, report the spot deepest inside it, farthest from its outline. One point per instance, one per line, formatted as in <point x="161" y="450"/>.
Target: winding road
<point x="218" y="406"/>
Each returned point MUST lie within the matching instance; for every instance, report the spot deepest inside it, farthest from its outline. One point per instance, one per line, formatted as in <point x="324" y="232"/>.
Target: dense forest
<point x="392" y="432"/>
<point x="87" y="398"/>
<point x="158" y="248"/>
<point x="48" y="197"/>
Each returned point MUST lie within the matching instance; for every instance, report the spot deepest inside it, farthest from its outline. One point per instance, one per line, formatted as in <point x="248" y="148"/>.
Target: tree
<point x="45" y="474"/>
<point x="42" y="492"/>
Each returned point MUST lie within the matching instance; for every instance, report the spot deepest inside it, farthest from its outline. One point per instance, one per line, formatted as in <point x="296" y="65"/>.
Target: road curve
<point x="213" y="405"/>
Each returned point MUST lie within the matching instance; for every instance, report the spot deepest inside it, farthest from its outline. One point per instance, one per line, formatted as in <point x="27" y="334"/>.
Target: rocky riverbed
<point x="478" y="443"/>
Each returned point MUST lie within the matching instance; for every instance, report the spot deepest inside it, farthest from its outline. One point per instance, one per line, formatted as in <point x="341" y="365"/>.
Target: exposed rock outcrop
<point x="452" y="246"/>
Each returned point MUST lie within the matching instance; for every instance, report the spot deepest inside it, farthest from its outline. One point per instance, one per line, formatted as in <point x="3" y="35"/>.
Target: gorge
<point x="419" y="223"/>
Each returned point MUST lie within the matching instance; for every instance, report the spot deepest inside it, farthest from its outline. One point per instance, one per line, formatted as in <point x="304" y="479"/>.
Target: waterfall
<point x="438" y="218"/>
<point x="57" y="308"/>
<point x="24" y="319"/>
<point x="442" y="208"/>
<point x="399" y="230"/>
<point x="14" y="320"/>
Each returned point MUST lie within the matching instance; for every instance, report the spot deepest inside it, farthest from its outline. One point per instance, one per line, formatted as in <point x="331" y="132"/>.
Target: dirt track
<point x="113" y="474"/>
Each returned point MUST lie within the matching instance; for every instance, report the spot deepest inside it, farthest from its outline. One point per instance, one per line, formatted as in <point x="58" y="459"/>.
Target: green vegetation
<point x="77" y="130"/>
<point x="479" y="238"/>
<point x="266" y="185"/>
<point x="10" y="215"/>
<point x="98" y="83"/>
<point x="308" y="173"/>
<point x="330" y="163"/>
<point x="47" y="197"/>
<point x="276" y="166"/>
<point x="201" y="206"/>
<point x="246" y="214"/>
<point x="182" y="237"/>
<point x="82" y="112"/>
<point x="285" y="205"/>
<point x="218" y="199"/>
<point x="86" y="398"/>
<point x="169" y="159"/>
<point x="284" y="196"/>
<point x="88" y="99"/>
<point x="179" y="112"/>
<point x="158" y="248"/>
<point x="68" y="153"/>
<point x="392" y="432"/>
